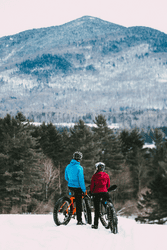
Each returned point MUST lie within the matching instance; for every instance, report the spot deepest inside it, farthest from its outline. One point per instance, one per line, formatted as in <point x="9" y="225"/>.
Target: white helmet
<point x="100" y="166"/>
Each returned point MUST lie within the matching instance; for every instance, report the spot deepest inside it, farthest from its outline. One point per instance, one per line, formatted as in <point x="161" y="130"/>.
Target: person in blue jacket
<point x="74" y="175"/>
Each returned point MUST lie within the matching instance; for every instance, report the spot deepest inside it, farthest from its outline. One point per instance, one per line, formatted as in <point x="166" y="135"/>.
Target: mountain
<point x="83" y="68"/>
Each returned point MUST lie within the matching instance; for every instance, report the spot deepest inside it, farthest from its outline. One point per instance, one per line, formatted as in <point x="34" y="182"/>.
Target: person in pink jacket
<point x="100" y="182"/>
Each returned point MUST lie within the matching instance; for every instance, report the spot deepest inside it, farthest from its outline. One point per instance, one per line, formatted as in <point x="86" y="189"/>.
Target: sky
<point x="21" y="15"/>
<point x="25" y="232"/>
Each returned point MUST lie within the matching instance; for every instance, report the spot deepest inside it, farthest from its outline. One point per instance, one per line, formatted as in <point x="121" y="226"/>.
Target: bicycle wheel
<point x="104" y="216"/>
<point x="115" y="223"/>
<point x="113" y="220"/>
<point x="86" y="210"/>
<point x="62" y="211"/>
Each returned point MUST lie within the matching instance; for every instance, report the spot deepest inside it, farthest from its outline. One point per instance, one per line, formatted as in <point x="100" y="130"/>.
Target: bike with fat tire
<point x="64" y="210"/>
<point x="108" y="216"/>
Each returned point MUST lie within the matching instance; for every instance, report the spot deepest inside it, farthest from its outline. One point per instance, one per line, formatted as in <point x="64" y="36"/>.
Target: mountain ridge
<point x="82" y="68"/>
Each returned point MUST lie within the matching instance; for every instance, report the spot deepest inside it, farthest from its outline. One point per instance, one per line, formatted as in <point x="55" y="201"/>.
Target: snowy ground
<point x="38" y="232"/>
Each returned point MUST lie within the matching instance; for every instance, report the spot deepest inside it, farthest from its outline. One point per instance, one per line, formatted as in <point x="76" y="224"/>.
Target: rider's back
<point x="100" y="182"/>
<point x="74" y="175"/>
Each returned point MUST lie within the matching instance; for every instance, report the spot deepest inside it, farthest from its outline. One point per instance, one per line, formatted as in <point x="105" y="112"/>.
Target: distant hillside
<point x="83" y="68"/>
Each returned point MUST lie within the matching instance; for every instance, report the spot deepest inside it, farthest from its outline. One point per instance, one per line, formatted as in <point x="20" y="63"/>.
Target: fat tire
<point x="57" y="206"/>
<point x="87" y="210"/>
<point x="113" y="220"/>
<point x="104" y="216"/>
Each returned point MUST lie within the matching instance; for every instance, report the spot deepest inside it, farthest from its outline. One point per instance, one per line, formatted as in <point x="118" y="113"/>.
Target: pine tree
<point x="108" y="142"/>
<point x="22" y="171"/>
<point x="132" y="144"/>
<point x="113" y="156"/>
<point x="130" y="140"/>
<point x="159" y="152"/>
<point x="20" y="117"/>
<point x="3" y="169"/>
<point x="101" y="132"/>
<point x="51" y="142"/>
<point x="153" y="204"/>
<point x="81" y="139"/>
<point x="140" y="168"/>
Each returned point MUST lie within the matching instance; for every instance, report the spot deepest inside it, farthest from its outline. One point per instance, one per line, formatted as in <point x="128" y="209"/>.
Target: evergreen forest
<point x="33" y="160"/>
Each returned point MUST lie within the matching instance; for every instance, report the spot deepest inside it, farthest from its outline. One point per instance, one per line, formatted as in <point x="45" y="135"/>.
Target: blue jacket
<point x="74" y="175"/>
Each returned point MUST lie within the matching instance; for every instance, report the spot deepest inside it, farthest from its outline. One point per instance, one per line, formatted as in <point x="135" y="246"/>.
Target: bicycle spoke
<point x="62" y="212"/>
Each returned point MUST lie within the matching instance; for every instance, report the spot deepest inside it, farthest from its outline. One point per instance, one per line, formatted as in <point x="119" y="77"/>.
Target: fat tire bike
<point x="108" y="216"/>
<point x="65" y="209"/>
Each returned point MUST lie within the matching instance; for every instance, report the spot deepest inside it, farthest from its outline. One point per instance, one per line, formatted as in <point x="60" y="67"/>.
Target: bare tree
<point x="50" y="176"/>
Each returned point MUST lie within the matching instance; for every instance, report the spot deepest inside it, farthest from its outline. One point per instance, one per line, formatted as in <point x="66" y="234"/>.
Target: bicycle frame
<point x="72" y="198"/>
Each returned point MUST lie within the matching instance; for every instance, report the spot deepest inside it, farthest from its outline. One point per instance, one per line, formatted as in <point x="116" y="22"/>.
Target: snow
<point x="71" y="124"/>
<point x="39" y="232"/>
<point x="149" y="145"/>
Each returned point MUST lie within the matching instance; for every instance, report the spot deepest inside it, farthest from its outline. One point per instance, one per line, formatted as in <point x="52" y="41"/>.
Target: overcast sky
<point x="20" y="15"/>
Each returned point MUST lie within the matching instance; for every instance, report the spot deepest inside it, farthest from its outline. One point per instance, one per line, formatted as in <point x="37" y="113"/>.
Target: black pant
<point x="78" y="199"/>
<point x="96" y="198"/>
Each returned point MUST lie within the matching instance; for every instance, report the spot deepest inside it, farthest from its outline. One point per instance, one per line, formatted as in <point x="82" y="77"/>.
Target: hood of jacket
<point x="74" y="162"/>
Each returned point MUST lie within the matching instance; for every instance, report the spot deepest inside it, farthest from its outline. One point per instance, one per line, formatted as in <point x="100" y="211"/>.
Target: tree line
<point x="33" y="160"/>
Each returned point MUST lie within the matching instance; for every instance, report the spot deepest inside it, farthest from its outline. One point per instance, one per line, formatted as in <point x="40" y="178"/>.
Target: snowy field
<point x="38" y="232"/>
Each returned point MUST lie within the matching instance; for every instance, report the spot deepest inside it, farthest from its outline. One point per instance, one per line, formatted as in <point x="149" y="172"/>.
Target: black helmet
<point x="100" y="166"/>
<point x="77" y="156"/>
